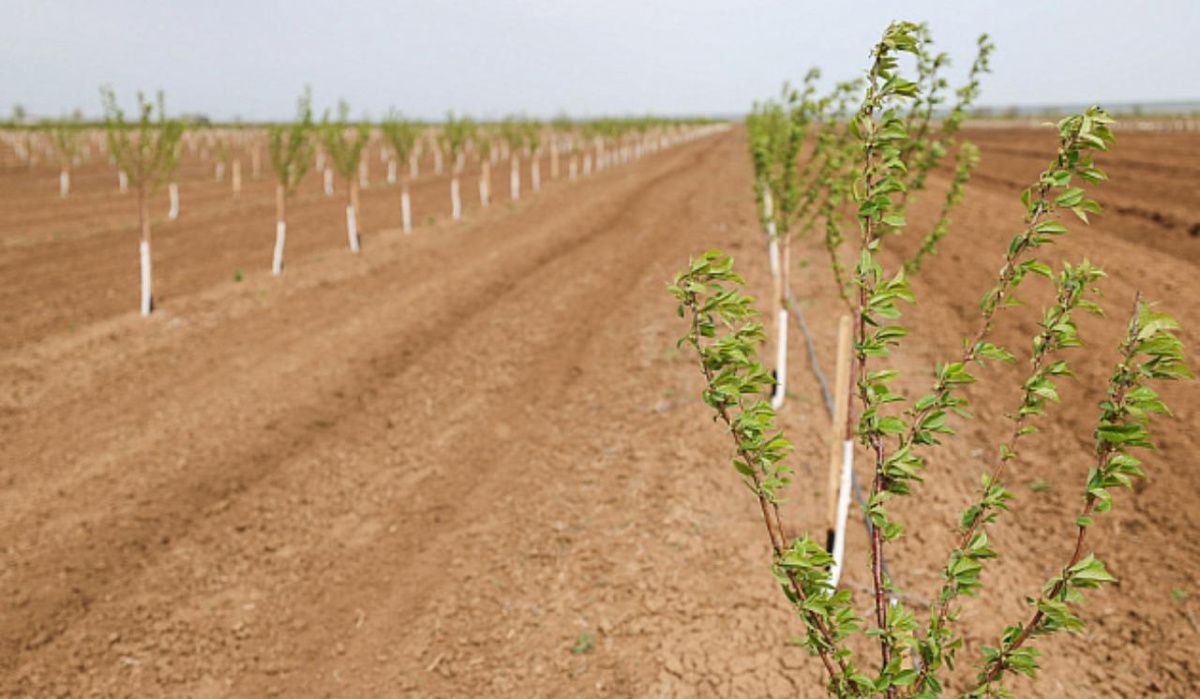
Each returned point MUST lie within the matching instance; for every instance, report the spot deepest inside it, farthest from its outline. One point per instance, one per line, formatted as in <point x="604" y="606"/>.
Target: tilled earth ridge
<point x="471" y="461"/>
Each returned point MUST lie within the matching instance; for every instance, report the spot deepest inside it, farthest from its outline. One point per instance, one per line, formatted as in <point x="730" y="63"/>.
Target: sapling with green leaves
<point x="514" y="137"/>
<point x="65" y="137"/>
<point x="483" y="147"/>
<point x="533" y="145"/>
<point x="560" y="130"/>
<point x="777" y="132"/>
<point x="455" y="134"/>
<point x="290" y="147"/>
<point x="344" y="144"/>
<point x="148" y="152"/>
<point x="401" y="136"/>
<point x="916" y="660"/>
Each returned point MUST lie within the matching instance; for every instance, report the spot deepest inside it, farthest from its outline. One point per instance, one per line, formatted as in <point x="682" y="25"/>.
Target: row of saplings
<point x="146" y="153"/>
<point x="870" y="146"/>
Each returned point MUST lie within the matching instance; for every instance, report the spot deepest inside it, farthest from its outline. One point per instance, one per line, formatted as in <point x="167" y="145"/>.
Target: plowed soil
<point x="470" y="461"/>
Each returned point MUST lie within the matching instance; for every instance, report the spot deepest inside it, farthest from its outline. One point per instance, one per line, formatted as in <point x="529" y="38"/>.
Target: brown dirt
<point x="439" y="467"/>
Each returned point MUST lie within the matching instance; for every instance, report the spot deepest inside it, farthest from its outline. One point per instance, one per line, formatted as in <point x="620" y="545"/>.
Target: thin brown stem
<point x="770" y="512"/>
<point x="1103" y="452"/>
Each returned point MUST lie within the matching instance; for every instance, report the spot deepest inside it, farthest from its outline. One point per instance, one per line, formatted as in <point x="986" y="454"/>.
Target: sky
<point x="252" y="58"/>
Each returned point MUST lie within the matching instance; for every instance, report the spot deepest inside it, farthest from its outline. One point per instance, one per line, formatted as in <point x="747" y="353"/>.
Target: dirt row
<point x="470" y="461"/>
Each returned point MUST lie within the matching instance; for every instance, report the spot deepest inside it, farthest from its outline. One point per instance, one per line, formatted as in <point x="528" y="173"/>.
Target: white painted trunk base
<point x="406" y="211"/>
<point x="843" y="512"/>
<point x="391" y="176"/>
<point x="328" y="182"/>
<point x="64" y="184"/>
<point x="535" y="176"/>
<point x="514" y="179"/>
<point x="280" y="241"/>
<point x="781" y="355"/>
<point x="455" y="200"/>
<point x="173" y="194"/>
<point x="144" y="254"/>
<point x="122" y="182"/>
<point x="352" y="229"/>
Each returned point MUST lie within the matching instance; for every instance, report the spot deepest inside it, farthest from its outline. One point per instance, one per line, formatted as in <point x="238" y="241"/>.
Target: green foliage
<point x="513" y="133"/>
<point x="65" y="136"/>
<point x="873" y="163"/>
<point x="400" y="134"/>
<point x="533" y="135"/>
<point x="725" y="336"/>
<point x="584" y="642"/>
<point x="290" y="146"/>
<point x="454" y="135"/>
<point x="343" y="142"/>
<point x="146" y="150"/>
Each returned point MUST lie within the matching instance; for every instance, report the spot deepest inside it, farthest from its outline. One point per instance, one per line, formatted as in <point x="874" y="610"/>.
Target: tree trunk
<point x="485" y="183"/>
<point x="405" y="208"/>
<point x="514" y="176"/>
<point x="455" y="199"/>
<point x="280" y="229"/>
<point x="147" y="302"/>
<point x="64" y="182"/>
<point x="173" y="196"/>
<point x="781" y="326"/>
<point x="352" y="217"/>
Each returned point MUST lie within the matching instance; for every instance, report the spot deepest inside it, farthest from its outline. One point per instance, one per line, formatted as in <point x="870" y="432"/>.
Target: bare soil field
<point x="471" y="462"/>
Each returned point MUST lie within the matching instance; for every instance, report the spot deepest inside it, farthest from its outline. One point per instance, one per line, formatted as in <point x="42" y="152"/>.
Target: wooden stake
<point x="840" y="431"/>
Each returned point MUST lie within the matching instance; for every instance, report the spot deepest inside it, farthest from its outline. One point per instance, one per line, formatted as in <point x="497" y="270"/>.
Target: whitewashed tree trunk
<point x="280" y="229"/>
<point x="328" y="182"/>
<point x="280" y="241"/>
<point x="514" y="177"/>
<point x="406" y="209"/>
<point x="455" y="199"/>
<point x="236" y="178"/>
<point x="122" y="182"/>
<point x="64" y="183"/>
<point x="485" y="183"/>
<point x="573" y="169"/>
<point x="364" y="175"/>
<point x="414" y="166"/>
<point x="535" y="175"/>
<point x="219" y="170"/>
<point x="554" y="160"/>
<point x="391" y="171"/>
<point x="352" y="229"/>
<point x="587" y="164"/>
<point x="173" y="195"/>
<point x="147" y="303"/>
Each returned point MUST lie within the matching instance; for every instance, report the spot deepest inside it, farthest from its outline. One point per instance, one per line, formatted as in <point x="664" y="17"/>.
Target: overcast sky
<point x="251" y="58"/>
